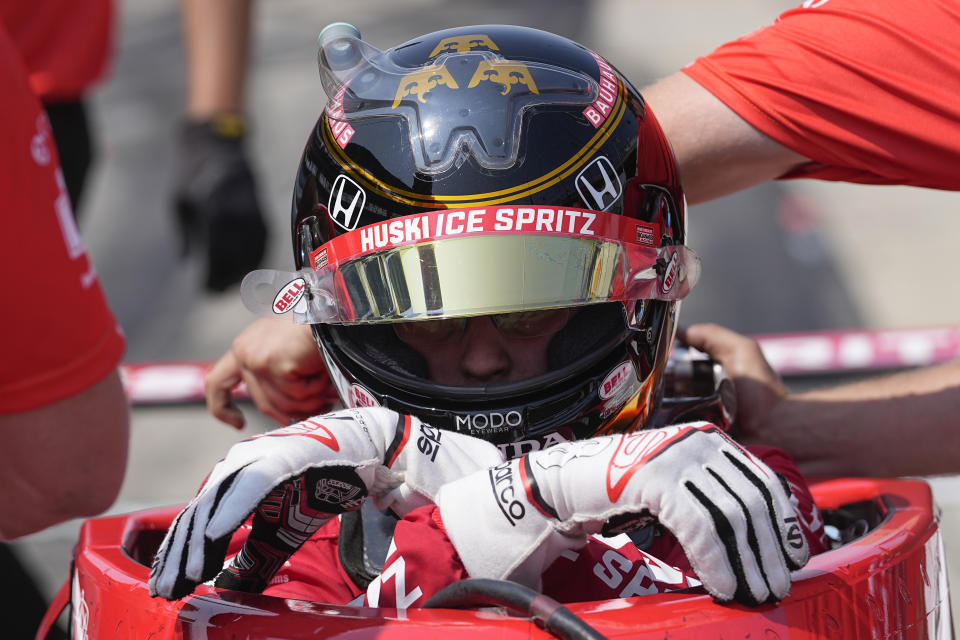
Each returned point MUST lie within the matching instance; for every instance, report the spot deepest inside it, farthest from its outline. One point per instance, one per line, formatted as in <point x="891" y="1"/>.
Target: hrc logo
<point x="462" y="44"/>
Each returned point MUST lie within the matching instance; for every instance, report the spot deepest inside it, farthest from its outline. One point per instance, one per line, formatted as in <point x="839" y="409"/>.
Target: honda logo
<point x="346" y="202"/>
<point x="598" y="184"/>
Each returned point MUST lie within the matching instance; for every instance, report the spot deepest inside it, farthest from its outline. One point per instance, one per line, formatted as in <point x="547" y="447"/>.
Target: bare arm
<point x="282" y="368"/>
<point x="717" y="152"/>
<point x="217" y="35"/>
<point x="905" y="424"/>
<point x="64" y="460"/>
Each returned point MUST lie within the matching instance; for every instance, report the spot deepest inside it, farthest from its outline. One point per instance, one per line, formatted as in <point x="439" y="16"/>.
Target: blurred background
<point x="790" y="256"/>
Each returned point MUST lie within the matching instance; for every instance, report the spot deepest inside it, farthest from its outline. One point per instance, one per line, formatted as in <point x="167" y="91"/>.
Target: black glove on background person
<point x="216" y="200"/>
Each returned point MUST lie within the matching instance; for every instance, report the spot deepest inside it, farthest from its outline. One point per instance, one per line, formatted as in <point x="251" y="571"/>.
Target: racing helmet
<point x="499" y="175"/>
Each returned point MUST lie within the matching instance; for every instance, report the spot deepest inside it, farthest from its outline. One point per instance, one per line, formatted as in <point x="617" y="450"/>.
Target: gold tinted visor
<point x="475" y="273"/>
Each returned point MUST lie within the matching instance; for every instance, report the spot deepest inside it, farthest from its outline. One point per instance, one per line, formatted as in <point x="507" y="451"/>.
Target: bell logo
<point x="346" y="202"/>
<point x="598" y="184"/>
<point x="670" y="273"/>
<point x="289" y="296"/>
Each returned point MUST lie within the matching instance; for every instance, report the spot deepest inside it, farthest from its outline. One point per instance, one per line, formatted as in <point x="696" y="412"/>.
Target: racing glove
<point x="730" y="513"/>
<point x="298" y="477"/>
<point x="216" y="200"/>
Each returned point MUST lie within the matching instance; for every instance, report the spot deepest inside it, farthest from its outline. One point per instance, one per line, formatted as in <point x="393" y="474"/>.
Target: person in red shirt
<point x="65" y="47"/>
<point x="834" y="90"/>
<point x="62" y="408"/>
<point x="494" y="290"/>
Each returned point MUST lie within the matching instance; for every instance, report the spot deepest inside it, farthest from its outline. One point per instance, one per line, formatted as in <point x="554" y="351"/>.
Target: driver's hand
<point x="282" y="368"/>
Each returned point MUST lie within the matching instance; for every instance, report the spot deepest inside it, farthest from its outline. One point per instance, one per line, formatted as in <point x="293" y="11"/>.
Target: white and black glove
<point x="729" y="511"/>
<point x="298" y="477"/>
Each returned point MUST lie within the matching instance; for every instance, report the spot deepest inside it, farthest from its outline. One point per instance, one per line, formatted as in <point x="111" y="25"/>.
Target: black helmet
<point x="498" y="175"/>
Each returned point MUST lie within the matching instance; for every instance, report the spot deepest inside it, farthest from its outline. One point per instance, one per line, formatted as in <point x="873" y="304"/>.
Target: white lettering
<point x="611" y="568"/>
<point x="572" y="215"/>
<point x="396" y="570"/>
<point x="585" y="230"/>
<point x="453" y="228"/>
<point x="396" y="231"/>
<point x="504" y="222"/>
<point x="525" y="215"/>
<point x="544" y="219"/>
<point x="635" y="586"/>
<point x="366" y="239"/>
<point x="475" y="221"/>
<point x="411" y="230"/>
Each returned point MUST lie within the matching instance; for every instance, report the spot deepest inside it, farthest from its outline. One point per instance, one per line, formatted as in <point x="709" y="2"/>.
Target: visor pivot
<point x="337" y="46"/>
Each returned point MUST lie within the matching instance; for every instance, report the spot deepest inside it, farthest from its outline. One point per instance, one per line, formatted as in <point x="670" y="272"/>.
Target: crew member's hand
<point x="729" y="511"/>
<point x="282" y="368"/>
<point x="295" y="479"/>
<point x="759" y="388"/>
<point x="216" y="200"/>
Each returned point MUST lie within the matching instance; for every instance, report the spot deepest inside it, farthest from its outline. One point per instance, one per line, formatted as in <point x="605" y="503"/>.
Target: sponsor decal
<point x="346" y="202"/>
<point x="40" y="142"/>
<point x="794" y="534"/>
<point x="395" y="569"/>
<point x="429" y="441"/>
<point x="506" y="220"/>
<point x="464" y="43"/>
<point x="617" y="379"/>
<point x="633" y="450"/>
<point x="671" y="273"/>
<point x="505" y="492"/>
<point x="437" y="225"/>
<point x="289" y="295"/>
<point x="492" y="421"/>
<point x="338" y="493"/>
<point x="423" y="81"/>
<point x="519" y="448"/>
<point x="609" y="88"/>
<point x="306" y="429"/>
<point x="506" y="74"/>
<point x="341" y="129"/>
<point x="646" y="234"/>
<point x="81" y="611"/>
<point x="598" y="184"/>
<point x="561" y="455"/>
<point x="361" y="397"/>
<point x="319" y="258"/>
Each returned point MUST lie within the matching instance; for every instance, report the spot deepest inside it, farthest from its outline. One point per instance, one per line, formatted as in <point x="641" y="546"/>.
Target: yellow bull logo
<point x="461" y="44"/>
<point x="506" y="74"/>
<point x="420" y="83"/>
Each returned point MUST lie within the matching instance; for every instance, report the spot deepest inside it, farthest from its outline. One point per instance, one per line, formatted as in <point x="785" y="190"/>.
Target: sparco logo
<point x="494" y="420"/>
<point x="346" y="202"/>
<point x="505" y="493"/>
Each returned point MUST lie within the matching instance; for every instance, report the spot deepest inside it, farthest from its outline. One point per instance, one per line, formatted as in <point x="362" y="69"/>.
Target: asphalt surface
<point x="780" y="257"/>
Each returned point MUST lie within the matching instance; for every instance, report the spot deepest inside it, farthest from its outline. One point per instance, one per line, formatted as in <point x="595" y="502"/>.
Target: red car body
<point x="889" y="582"/>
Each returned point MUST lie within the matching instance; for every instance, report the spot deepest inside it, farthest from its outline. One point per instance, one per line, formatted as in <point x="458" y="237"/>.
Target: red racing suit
<point x="422" y="560"/>
<point x="866" y="90"/>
